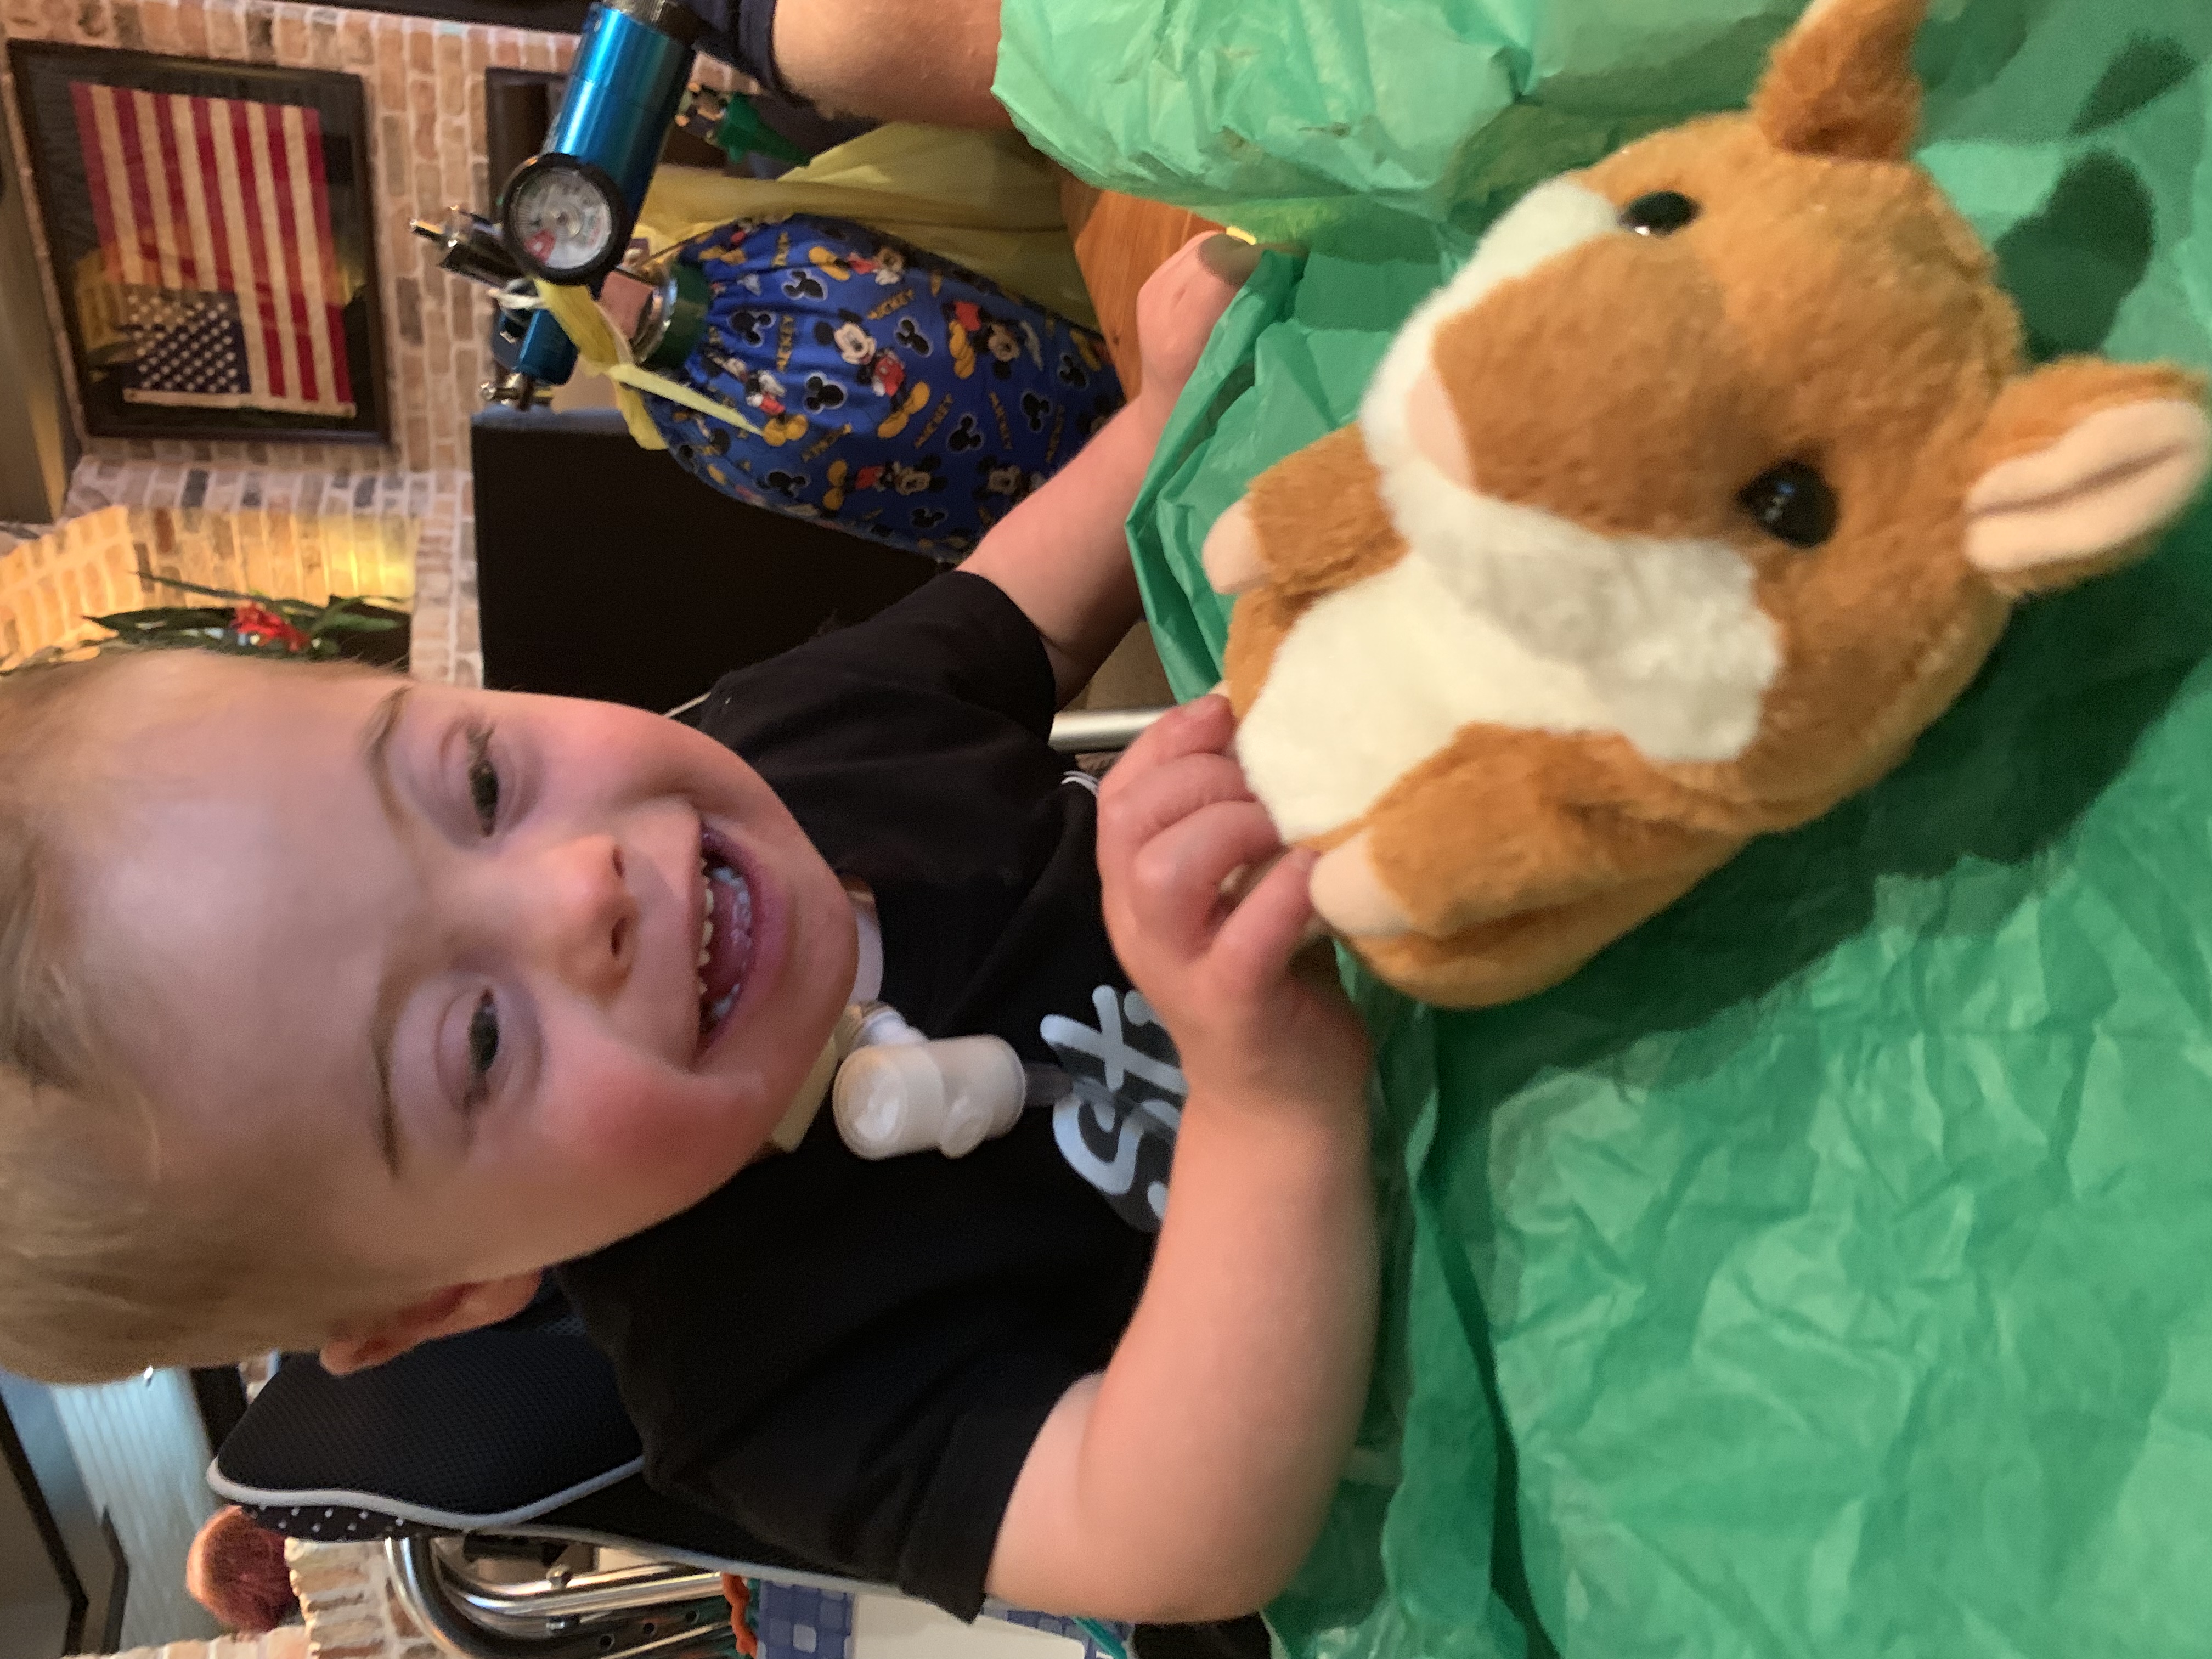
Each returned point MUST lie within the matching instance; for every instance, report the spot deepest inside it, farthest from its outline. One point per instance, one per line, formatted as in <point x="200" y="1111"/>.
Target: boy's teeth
<point x="741" y="927"/>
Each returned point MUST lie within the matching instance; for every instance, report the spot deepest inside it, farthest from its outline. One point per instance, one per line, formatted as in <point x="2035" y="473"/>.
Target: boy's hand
<point x="1177" y="825"/>
<point x="1177" y="309"/>
<point x="1189" y="1478"/>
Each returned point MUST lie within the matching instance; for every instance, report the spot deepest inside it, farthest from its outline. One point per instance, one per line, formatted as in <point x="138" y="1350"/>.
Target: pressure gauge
<point x="564" y="220"/>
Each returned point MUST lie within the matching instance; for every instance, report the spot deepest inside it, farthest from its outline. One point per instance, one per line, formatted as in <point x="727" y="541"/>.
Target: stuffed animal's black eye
<point x="1662" y="213"/>
<point x="1792" y="503"/>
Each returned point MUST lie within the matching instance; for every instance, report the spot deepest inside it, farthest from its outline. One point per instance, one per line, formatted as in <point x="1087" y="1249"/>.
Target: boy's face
<point x="435" y="954"/>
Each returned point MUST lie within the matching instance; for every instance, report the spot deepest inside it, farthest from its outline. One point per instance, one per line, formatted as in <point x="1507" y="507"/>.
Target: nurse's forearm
<point x="930" y="61"/>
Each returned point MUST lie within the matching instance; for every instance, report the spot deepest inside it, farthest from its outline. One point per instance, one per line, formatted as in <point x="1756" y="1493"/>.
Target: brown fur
<point x="1320" y="524"/>
<point x="1610" y="821"/>
<point x="1612" y="385"/>
<point x="2034" y="414"/>
<point x="1517" y="955"/>
<point x="1827" y="305"/>
<point x="1842" y="84"/>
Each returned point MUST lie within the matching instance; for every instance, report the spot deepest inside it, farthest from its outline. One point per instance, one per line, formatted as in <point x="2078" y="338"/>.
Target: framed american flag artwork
<point x="210" y="225"/>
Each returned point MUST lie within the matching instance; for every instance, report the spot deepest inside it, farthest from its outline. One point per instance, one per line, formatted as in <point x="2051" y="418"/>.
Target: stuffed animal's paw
<point x="1348" y="894"/>
<point x="1231" y="553"/>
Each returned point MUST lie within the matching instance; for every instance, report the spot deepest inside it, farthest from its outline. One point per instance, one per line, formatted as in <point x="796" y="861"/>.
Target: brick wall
<point x="423" y="84"/>
<point x="351" y="1610"/>
<point x="438" y="506"/>
<point x="291" y="1643"/>
<point x="109" y="560"/>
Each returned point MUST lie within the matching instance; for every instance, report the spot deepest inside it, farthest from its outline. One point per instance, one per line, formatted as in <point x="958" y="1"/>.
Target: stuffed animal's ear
<point x="2083" y="464"/>
<point x="1841" y="83"/>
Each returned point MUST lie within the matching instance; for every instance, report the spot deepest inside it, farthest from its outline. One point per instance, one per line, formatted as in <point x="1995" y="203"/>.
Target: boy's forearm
<point x="1204" y="1459"/>
<point x="1063" y="555"/>
<point x="1247" y="1363"/>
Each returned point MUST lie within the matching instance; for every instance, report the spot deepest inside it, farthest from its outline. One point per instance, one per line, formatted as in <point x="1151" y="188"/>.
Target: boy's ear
<point x="357" y="1345"/>
<point x="2082" y="466"/>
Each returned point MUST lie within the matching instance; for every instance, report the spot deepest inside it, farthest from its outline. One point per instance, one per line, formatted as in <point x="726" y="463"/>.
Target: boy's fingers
<point x="1193" y="252"/>
<point x="1174" y="273"/>
<point x="1197" y="727"/>
<point x="1176" y="878"/>
<point x="1165" y="796"/>
<point x="1269" y="925"/>
<point x="1230" y="258"/>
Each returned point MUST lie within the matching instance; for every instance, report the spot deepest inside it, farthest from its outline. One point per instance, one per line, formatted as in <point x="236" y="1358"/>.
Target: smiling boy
<point x="334" y="1010"/>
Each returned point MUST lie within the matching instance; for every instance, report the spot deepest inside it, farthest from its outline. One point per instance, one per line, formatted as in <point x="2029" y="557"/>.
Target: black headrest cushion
<point x="487" y="1429"/>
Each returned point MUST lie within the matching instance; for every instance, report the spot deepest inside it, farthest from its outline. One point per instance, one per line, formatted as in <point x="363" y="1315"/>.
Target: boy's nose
<point x="583" y="920"/>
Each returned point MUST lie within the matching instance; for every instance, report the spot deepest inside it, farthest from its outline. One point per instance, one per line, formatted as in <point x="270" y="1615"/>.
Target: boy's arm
<point x="1188" y="1481"/>
<point x="1063" y="555"/>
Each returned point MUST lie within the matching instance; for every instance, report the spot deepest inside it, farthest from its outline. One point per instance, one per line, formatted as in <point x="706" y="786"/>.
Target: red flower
<point x="255" y="625"/>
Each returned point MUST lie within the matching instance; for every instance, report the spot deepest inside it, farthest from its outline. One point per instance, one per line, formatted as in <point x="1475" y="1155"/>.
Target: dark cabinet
<point x="605" y="570"/>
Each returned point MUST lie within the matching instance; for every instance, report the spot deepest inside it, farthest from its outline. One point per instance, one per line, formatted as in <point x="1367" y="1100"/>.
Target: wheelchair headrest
<point x="483" y="1431"/>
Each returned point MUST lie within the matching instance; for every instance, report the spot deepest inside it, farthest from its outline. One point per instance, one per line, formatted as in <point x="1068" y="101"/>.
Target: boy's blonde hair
<point x="107" y="1265"/>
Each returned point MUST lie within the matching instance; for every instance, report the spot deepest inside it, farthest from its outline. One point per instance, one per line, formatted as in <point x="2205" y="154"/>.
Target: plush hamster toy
<point x="1672" y="520"/>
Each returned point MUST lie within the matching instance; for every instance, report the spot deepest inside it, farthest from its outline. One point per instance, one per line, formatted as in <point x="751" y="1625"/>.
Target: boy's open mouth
<point x="725" y="936"/>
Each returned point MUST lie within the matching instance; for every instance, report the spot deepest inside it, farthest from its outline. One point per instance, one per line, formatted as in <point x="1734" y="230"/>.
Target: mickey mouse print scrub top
<point x="897" y="395"/>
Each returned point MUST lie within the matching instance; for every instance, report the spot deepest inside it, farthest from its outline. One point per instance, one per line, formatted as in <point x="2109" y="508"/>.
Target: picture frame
<point x="211" y="228"/>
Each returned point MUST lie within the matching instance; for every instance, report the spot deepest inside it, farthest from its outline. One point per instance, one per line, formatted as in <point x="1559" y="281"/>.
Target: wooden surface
<point x="1118" y="242"/>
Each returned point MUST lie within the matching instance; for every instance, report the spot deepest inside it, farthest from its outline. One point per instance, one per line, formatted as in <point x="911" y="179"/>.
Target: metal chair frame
<point x="669" y="1610"/>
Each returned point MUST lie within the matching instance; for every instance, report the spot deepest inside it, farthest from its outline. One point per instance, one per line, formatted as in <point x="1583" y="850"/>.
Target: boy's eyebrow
<point x="376" y="755"/>
<point x="376" y="744"/>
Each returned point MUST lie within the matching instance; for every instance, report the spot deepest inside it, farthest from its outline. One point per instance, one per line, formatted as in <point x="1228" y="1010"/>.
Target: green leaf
<point x="163" y="618"/>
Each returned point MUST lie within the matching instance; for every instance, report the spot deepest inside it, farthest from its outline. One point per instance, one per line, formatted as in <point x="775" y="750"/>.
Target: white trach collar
<point x="868" y="970"/>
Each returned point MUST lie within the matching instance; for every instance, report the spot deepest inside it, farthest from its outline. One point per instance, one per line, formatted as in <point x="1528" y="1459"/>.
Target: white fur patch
<point x="1376" y="678"/>
<point x="1660" y="642"/>
<point x="1499" y="614"/>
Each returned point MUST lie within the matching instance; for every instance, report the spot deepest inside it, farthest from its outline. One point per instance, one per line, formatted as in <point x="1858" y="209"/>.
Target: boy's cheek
<point x="665" y="1139"/>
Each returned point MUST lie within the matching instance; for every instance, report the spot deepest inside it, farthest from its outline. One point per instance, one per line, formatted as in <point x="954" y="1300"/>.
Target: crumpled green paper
<point x="1827" y="1269"/>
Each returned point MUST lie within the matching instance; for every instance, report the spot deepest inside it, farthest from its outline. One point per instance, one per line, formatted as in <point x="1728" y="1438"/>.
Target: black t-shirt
<point x="851" y="1359"/>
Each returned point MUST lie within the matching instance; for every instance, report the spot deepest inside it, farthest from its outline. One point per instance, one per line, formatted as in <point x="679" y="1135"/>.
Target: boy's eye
<point x="484" y="1046"/>
<point x="484" y="779"/>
